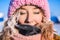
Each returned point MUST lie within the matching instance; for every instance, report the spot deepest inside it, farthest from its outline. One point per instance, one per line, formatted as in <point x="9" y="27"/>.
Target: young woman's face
<point x="30" y="15"/>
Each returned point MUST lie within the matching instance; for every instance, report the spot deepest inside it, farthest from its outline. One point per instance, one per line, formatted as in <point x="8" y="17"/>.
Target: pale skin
<point x="29" y="15"/>
<point x="32" y="14"/>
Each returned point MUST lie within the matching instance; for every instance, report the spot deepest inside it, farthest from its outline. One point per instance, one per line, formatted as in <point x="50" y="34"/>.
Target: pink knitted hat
<point x="15" y="4"/>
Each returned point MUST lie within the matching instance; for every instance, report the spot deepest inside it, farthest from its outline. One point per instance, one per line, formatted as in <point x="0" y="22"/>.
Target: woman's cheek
<point x="21" y="20"/>
<point x="38" y="19"/>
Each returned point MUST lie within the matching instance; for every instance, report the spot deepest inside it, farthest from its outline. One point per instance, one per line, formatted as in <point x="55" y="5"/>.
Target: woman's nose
<point x="28" y="19"/>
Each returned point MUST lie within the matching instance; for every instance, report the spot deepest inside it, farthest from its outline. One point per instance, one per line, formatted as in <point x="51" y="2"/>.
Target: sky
<point x="54" y="7"/>
<point x="53" y="4"/>
<point x="4" y="4"/>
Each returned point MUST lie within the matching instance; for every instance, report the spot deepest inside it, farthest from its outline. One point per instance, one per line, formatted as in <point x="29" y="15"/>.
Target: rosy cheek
<point x="21" y="20"/>
<point x="38" y="19"/>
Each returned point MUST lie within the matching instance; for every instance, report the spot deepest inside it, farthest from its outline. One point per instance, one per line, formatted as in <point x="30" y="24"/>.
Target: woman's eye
<point x="36" y="12"/>
<point x="21" y="13"/>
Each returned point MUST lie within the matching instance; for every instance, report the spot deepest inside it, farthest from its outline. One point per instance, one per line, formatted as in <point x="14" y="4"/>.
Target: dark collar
<point x="28" y="30"/>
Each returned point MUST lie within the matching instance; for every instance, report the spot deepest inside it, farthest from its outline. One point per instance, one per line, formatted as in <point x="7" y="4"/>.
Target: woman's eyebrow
<point x="23" y="8"/>
<point x="36" y="8"/>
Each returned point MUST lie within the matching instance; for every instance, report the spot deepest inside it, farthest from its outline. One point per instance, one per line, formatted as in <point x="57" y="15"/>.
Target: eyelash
<point x="36" y="12"/>
<point x="22" y="13"/>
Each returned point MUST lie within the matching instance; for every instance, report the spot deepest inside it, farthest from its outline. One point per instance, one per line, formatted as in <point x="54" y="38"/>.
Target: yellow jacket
<point x="56" y="37"/>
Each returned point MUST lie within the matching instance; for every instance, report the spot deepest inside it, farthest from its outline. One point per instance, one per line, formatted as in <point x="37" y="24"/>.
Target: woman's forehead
<point x="29" y="8"/>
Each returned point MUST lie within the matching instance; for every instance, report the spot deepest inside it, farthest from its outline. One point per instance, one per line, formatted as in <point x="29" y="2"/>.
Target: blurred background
<point x="54" y="10"/>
